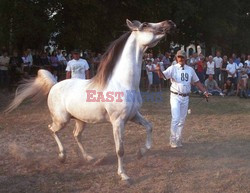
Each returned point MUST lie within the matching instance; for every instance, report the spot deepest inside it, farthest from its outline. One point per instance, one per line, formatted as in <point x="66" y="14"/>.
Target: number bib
<point x="181" y="81"/>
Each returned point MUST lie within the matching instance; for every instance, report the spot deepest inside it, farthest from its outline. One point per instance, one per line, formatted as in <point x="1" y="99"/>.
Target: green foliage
<point x="92" y="24"/>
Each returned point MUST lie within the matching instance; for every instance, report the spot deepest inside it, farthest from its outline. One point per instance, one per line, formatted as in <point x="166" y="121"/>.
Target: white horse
<point x="119" y="72"/>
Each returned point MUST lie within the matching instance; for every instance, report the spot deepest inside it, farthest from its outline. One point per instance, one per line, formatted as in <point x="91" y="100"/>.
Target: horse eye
<point x="145" y="25"/>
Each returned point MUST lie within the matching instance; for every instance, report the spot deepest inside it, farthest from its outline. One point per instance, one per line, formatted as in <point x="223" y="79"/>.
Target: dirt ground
<point x="215" y="156"/>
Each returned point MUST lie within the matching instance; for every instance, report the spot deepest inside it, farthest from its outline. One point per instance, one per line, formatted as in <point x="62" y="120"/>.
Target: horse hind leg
<point x="79" y="127"/>
<point x="55" y="127"/>
<point x="139" y="119"/>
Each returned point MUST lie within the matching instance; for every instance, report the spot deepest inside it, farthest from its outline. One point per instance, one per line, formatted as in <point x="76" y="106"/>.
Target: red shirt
<point x="199" y="66"/>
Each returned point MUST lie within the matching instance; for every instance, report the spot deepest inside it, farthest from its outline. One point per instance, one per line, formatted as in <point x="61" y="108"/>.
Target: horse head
<point x="149" y="34"/>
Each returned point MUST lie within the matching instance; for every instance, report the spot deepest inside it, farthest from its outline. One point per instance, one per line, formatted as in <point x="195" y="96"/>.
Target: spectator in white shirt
<point x="231" y="71"/>
<point x="218" y="63"/>
<point x="77" y="68"/>
<point x="210" y="66"/>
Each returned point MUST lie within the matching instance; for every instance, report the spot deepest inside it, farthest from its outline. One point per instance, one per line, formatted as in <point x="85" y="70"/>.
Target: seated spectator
<point x="228" y="88"/>
<point x="212" y="86"/>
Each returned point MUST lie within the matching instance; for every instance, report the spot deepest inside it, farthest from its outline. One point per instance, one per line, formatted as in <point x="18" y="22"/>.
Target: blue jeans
<point x="214" y="92"/>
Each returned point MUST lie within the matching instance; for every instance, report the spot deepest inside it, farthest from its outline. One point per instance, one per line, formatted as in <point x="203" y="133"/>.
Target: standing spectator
<point x="4" y="65"/>
<point x="96" y="62"/>
<point x="212" y="86"/>
<point x="247" y="62"/>
<point x="239" y="66"/>
<point x="29" y="57"/>
<point x="242" y="82"/>
<point x="200" y="69"/>
<point x="243" y="58"/>
<point x="149" y="68"/>
<point x="54" y="62"/>
<point x="15" y="68"/>
<point x="156" y="78"/>
<point x="77" y="67"/>
<point x="231" y="71"/>
<point x="166" y="60"/>
<point x="45" y="60"/>
<point x="64" y="58"/>
<point x="210" y="66"/>
<point x="59" y="55"/>
<point x="36" y="62"/>
<point x="174" y="61"/>
<point x="218" y="64"/>
<point x="194" y="60"/>
<point x="224" y="70"/>
<point x="26" y="64"/>
<point x="235" y="59"/>
<point x="37" y="58"/>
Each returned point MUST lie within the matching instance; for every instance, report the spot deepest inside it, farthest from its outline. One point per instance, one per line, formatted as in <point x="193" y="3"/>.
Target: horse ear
<point x="131" y="25"/>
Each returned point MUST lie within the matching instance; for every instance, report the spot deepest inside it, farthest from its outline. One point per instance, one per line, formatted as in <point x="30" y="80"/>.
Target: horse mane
<point x="108" y="61"/>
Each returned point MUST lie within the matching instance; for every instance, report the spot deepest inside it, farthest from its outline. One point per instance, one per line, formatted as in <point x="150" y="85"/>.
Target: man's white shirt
<point x="77" y="68"/>
<point x="149" y="67"/>
<point x="232" y="69"/>
<point x="218" y="61"/>
<point x="181" y="78"/>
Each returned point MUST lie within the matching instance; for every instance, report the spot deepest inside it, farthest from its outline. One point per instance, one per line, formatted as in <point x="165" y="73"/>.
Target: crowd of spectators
<point x="227" y="75"/>
<point x="25" y="64"/>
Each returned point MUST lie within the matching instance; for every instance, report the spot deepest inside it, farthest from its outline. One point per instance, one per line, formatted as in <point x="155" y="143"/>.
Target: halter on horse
<point x="119" y="71"/>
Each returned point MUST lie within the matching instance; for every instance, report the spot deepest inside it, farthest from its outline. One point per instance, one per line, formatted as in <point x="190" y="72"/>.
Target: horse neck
<point x="128" y="68"/>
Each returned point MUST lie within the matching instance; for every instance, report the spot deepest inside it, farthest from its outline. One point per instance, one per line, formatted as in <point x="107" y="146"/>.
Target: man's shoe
<point x="173" y="145"/>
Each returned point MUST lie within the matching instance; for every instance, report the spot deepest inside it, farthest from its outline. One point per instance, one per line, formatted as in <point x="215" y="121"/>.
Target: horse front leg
<point x="139" y="119"/>
<point x="118" y="132"/>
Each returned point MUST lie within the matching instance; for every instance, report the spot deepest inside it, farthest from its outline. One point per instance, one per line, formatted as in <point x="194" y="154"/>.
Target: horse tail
<point x="36" y="88"/>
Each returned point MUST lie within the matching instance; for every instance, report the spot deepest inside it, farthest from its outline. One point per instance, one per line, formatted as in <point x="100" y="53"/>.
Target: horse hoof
<point x="90" y="159"/>
<point x="62" y="158"/>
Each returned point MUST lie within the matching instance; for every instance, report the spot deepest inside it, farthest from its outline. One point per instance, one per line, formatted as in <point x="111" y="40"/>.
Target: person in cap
<point x="77" y="67"/>
<point x="181" y="76"/>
